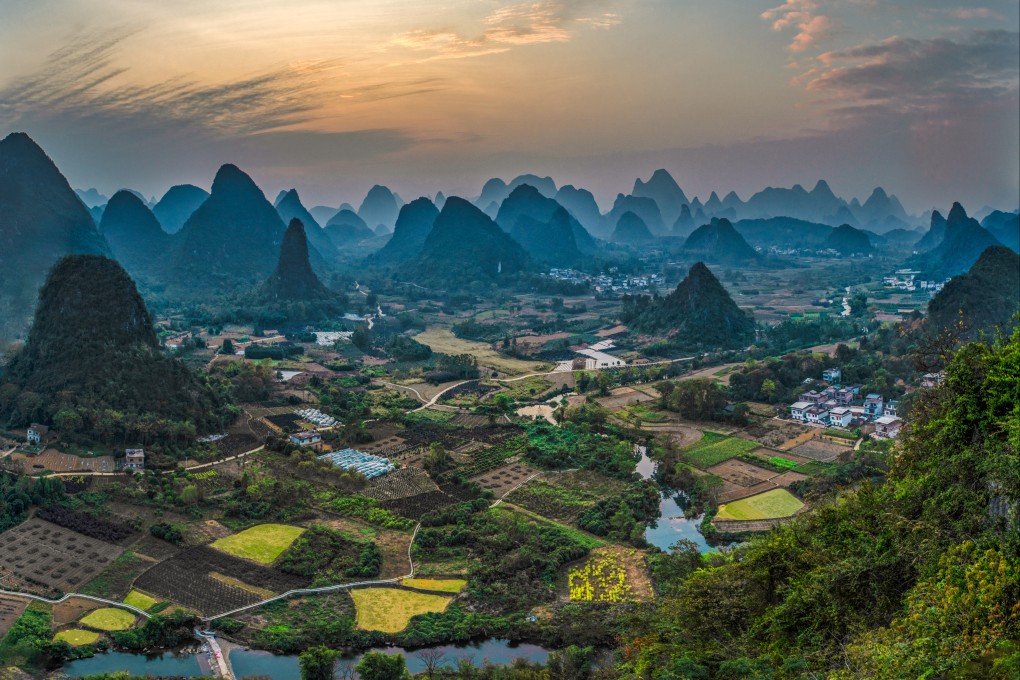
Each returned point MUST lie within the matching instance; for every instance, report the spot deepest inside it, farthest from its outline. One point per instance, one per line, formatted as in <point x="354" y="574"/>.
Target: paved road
<point x="68" y="596"/>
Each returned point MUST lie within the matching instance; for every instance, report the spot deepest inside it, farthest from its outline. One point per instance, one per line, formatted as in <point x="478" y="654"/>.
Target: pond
<point x="672" y="525"/>
<point x="249" y="662"/>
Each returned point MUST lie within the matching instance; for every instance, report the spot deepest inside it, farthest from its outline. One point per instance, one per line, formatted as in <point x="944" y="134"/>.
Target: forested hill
<point x="698" y="313"/>
<point x="917" y="577"/>
<point x="985" y="299"/>
<point x="92" y="350"/>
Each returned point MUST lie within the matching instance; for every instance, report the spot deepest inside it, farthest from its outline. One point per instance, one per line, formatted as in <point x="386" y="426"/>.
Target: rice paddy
<point x="262" y="543"/>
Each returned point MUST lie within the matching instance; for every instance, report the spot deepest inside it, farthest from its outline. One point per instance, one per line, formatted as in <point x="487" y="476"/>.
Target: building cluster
<point x="609" y="283"/>
<point x="906" y="279"/>
<point x="313" y="415"/>
<point x="842" y="407"/>
<point x="365" y="463"/>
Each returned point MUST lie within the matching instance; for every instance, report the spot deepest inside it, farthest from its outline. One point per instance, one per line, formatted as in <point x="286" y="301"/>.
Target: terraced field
<point x="714" y="448"/>
<point x="772" y="504"/>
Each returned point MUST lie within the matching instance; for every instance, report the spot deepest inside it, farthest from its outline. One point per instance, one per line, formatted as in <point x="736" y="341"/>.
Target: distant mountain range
<point x="963" y="241"/>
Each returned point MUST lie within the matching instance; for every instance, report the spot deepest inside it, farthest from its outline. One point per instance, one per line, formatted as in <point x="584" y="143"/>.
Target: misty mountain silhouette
<point x="177" y="205"/>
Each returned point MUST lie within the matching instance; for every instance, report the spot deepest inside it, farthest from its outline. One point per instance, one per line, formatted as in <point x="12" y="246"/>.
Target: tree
<point x="362" y="338"/>
<point x="228" y="347"/>
<point x="431" y="659"/>
<point x="318" y="663"/>
<point x="859" y="304"/>
<point x="380" y="666"/>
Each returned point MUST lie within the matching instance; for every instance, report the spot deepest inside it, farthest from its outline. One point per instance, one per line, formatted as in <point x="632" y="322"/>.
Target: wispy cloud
<point x="83" y="79"/>
<point x="545" y="21"/>
<point x="975" y="13"/>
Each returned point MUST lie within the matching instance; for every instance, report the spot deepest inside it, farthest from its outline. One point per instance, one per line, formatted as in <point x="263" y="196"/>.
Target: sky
<point x="333" y="96"/>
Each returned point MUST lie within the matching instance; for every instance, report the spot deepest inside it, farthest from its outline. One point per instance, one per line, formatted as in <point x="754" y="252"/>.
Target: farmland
<point x="40" y="556"/>
<point x="77" y="637"/>
<point x="262" y="543"/>
<point x="389" y="610"/>
<point x="446" y="585"/>
<point x="610" y="574"/>
<point x="769" y="505"/>
<point x="715" y="448"/>
<point x="140" y="600"/>
<point x="109" y="618"/>
<point x="443" y="340"/>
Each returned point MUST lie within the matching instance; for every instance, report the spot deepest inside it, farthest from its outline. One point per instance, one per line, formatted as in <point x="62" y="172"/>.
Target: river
<point x="249" y="662"/>
<point x="672" y="525"/>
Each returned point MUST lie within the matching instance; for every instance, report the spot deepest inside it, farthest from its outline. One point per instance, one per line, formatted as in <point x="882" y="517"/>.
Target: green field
<point x="769" y="505"/>
<point x="783" y="463"/>
<point x="76" y="637"/>
<point x="140" y="600"/>
<point x="109" y="618"/>
<point x="262" y="543"/>
<point x="389" y="610"/>
<point x="715" y="448"/>
<point x="446" y="585"/>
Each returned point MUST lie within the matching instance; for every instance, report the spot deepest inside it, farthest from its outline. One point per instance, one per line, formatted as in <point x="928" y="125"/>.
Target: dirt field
<point x="442" y="340"/>
<point x="380" y="447"/>
<point x="500" y="480"/>
<point x="10" y="609"/>
<point x="819" y="450"/>
<point x="54" y="460"/>
<point x="401" y="483"/>
<point x="741" y="473"/>
<point x="38" y="553"/>
<point x="69" y="611"/>
<point x="624" y="396"/>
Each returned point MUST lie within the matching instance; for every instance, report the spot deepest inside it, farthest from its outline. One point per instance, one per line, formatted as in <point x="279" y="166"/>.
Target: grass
<point x="443" y="340"/>
<point x="447" y="585"/>
<point x="262" y="543"/>
<point x="389" y="610"/>
<point x="77" y="637"/>
<point x="769" y="505"/>
<point x="817" y="469"/>
<point x="109" y="618"/>
<point x="714" y="448"/>
<point x="116" y="579"/>
<point x="140" y="600"/>
<point x="783" y="463"/>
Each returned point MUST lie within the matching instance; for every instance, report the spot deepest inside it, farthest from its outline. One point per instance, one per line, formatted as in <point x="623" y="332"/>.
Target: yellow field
<point x="262" y="543"/>
<point x="76" y="637"/>
<point x="140" y="600"/>
<point x="447" y="585"/>
<point x="442" y="340"/>
<point x="769" y="505"/>
<point x="109" y="618"/>
<point x="389" y="610"/>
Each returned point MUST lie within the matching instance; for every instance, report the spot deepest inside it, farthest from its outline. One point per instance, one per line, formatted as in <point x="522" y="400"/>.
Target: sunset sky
<point x="332" y="96"/>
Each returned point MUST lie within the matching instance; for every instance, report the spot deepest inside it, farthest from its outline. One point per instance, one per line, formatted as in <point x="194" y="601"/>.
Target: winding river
<point x="250" y="662"/>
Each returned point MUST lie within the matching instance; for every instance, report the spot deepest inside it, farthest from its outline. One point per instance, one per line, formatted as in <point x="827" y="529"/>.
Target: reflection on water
<point x="672" y="525"/>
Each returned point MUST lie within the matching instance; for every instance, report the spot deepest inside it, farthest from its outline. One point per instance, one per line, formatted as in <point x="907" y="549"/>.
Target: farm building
<point x="888" y="426"/>
<point x="37" y="433"/>
<point x="365" y="463"/>
<point x="134" y="459"/>
<point x="306" y="438"/>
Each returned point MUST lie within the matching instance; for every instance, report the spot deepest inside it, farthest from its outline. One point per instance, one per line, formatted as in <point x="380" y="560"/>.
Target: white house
<point x="890" y="407"/>
<point x="134" y="459"/>
<point x="602" y="360"/>
<point x="37" y="433"/>
<point x="840" y="416"/>
<point x="832" y="375"/>
<point x="797" y="410"/>
<point x="888" y="426"/>
<point x="816" y="414"/>
<point x="306" y="438"/>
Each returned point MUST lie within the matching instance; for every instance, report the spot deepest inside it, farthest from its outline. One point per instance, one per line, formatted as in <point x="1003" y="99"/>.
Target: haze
<point x="334" y="96"/>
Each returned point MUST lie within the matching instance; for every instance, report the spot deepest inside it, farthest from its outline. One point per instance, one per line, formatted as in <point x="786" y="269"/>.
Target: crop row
<point x="87" y="525"/>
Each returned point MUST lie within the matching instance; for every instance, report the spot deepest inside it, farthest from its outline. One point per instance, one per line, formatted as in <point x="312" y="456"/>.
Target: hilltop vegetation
<point x="985" y="299"/>
<point x="698" y="313"/>
<point x="92" y="364"/>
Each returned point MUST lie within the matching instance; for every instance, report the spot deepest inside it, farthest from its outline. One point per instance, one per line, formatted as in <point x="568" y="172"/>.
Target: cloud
<point x="83" y="81"/>
<point x="802" y="15"/>
<point x="975" y="13"/>
<point x="935" y="76"/>
<point x="545" y="21"/>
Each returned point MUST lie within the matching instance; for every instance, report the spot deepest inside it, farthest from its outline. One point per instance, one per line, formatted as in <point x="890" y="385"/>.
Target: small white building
<point x="832" y="375"/>
<point x="134" y="459"/>
<point x="37" y="433"/>
<point x="817" y="414"/>
<point x="797" y="410"/>
<point x="888" y="426"/>
<point x="602" y="360"/>
<point x="840" y="416"/>
<point x="306" y="438"/>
